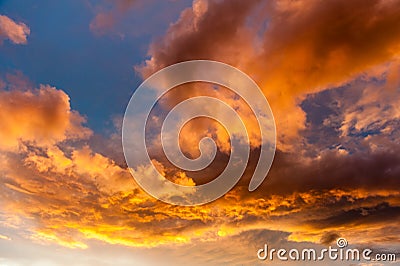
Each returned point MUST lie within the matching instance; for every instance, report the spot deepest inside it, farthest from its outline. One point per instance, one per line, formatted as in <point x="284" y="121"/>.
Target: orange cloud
<point x="16" y="32"/>
<point x="55" y="189"/>
<point x="74" y="195"/>
<point x="193" y="131"/>
<point x="42" y="116"/>
<point x="291" y="48"/>
<point x="81" y="199"/>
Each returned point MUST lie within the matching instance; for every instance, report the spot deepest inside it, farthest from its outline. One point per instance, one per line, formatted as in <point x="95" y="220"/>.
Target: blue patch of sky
<point x="95" y="71"/>
<point x="330" y="105"/>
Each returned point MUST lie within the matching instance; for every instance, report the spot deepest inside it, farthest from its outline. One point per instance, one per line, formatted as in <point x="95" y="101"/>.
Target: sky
<point x="330" y="71"/>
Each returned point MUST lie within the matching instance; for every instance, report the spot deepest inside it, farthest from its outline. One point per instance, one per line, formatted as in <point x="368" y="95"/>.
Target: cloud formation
<point x="289" y="50"/>
<point x="41" y="116"/>
<point x="74" y="195"/>
<point x="335" y="96"/>
<point x="16" y="32"/>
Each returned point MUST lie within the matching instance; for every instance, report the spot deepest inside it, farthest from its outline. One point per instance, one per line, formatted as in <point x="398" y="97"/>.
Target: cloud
<point x="329" y="237"/>
<point x="105" y="20"/>
<point x="60" y="187"/>
<point x="73" y="197"/>
<point x="4" y="237"/>
<point x="134" y="18"/>
<point x="358" y="117"/>
<point x="16" y="32"/>
<point x="107" y="206"/>
<point x="289" y="50"/>
<point x="41" y="116"/>
<point x="376" y="109"/>
<point x="196" y="35"/>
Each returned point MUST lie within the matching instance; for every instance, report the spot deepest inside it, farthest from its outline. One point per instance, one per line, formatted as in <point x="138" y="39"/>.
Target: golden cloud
<point x="42" y="116"/>
<point x="55" y="186"/>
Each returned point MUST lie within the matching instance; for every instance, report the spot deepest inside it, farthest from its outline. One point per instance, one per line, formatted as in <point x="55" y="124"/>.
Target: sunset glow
<point x="330" y="71"/>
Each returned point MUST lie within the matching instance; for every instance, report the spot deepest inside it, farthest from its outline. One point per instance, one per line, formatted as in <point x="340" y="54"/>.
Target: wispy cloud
<point x="105" y="20"/>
